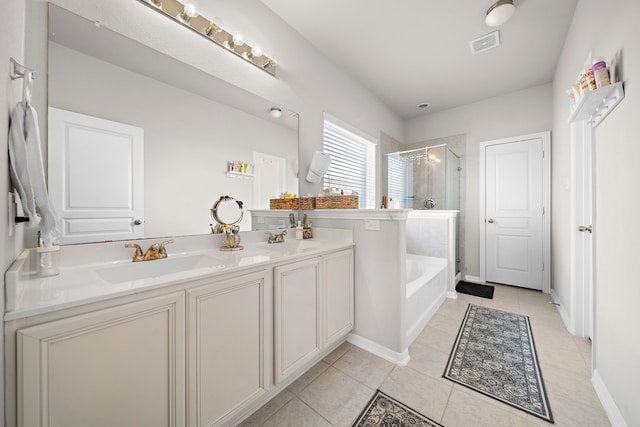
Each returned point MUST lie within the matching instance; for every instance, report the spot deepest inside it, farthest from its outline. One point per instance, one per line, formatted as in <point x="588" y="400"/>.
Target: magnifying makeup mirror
<point x="228" y="212"/>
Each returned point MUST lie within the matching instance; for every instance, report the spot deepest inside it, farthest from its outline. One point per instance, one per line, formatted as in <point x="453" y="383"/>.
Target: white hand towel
<point x="27" y="171"/>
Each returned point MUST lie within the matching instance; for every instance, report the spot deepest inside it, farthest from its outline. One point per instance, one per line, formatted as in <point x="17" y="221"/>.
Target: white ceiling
<point x="413" y="51"/>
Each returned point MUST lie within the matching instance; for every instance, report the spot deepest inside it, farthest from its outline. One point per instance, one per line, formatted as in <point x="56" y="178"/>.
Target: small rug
<point x="494" y="354"/>
<point x="476" y="289"/>
<point x="384" y="411"/>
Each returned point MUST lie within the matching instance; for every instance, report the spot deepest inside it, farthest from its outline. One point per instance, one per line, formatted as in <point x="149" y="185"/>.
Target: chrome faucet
<point x="278" y="238"/>
<point x="155" y="251"/>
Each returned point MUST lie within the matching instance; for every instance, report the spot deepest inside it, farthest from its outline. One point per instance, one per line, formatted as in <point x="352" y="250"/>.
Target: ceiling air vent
<point x="486" y="42"/>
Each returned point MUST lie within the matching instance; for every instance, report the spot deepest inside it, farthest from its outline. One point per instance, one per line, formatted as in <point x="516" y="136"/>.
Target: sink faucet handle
<point x="138" y="255"/>
<point x="162" y="249"/>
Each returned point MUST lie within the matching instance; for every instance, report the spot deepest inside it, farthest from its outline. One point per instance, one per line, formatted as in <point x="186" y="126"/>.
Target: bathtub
<point x="426" y="290"/>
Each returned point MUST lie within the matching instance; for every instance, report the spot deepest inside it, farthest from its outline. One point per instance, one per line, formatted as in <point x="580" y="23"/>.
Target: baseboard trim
<point x="379" y="350"/>
<point x="474" y="279"/>
<point x="566" y="319"/>
<point x="609" y="405"/>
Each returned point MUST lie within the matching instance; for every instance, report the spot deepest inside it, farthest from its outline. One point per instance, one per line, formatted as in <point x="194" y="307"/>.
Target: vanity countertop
<point x="100" y="271"/>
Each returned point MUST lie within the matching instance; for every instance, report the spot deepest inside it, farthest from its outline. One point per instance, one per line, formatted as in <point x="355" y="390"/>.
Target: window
<point x="353" y="161"/>
<point x="400" y="181"/>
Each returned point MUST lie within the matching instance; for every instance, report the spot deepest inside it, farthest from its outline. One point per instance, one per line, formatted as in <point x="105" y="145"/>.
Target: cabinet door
<point x="297" y="321"/>
<point x="226" y="354"/>
<point x="338" y="296"/>
<point x="122" y="366"/>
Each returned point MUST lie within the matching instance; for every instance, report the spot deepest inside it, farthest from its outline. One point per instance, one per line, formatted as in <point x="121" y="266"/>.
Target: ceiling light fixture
<point x="276" y="112"/>
<point x="499" y="13"/>
<point x="186" y="14"/>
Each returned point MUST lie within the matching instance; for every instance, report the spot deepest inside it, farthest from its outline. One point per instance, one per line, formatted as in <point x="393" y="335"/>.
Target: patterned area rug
<point x="494" y="354"/>
<point x="385" y="411"/>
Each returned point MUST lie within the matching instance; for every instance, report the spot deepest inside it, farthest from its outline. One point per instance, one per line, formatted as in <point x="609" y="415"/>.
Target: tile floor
<point x="336" y="390"/>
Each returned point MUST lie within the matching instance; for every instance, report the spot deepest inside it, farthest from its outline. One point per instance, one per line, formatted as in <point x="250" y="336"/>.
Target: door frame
<point x="546" y="201"/>
<point x="581" y="314"/>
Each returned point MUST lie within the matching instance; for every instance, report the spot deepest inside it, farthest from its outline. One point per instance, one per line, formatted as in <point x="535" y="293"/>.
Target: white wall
<point x="517" y="113"/>
<point x="610" y="30"/>
<point x="12" y="24"/>
<point x="188" y="140"/>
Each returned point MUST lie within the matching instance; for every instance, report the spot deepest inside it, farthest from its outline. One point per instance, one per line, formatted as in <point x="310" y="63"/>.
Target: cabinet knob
<point x="490" y="221"/>
<point x="137" y="222"/>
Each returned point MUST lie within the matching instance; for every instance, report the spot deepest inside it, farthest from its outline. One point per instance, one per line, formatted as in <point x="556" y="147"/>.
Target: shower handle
<point x="429" y="203"/>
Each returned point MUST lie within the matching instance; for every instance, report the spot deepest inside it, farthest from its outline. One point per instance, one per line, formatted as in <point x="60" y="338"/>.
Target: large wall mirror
<point x="193" y="125"/>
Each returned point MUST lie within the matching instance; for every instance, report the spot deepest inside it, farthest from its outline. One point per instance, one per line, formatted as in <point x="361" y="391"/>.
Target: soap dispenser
<point x="299" y="231"/>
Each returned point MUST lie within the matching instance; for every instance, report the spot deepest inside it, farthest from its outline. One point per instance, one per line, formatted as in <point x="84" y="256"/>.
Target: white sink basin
<point x="155" y="268"/>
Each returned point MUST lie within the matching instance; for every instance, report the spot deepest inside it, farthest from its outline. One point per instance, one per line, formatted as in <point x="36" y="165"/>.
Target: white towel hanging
<point x="27" y="171"/>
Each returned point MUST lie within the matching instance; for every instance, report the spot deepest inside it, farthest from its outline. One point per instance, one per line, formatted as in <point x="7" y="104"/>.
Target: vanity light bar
<point x="185" y="14"/>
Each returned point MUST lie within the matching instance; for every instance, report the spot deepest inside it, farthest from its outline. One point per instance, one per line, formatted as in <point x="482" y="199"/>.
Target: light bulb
<point x="238" y="39"/>
<point x="188" y="11"/>
<point x="256" y="51"/>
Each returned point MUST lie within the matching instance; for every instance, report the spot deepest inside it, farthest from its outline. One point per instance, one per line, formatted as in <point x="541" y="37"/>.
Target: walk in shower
<point x="425" y="178"/>
<point x="428" y="178"/>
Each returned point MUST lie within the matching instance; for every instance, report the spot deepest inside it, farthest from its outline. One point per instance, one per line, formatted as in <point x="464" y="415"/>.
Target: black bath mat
<point x="476" y="289"/>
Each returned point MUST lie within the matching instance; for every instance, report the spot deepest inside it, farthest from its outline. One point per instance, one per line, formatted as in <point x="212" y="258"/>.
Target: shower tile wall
<point x="428" y="236"/>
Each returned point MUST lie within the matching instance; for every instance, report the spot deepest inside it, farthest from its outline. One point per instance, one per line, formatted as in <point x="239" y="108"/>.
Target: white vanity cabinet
<point x="338" y="289"/>
<point x="227" y="331"/>
<point x="313" y="308"/>
<point x="297" y="321"/>
<point x="120" y="366"/>
<point x="207" y="347"/>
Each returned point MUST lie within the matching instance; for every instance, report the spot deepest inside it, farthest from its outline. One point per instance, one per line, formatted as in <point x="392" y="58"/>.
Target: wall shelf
<point x="239" y="175"/>
<point x="595" y="105"/>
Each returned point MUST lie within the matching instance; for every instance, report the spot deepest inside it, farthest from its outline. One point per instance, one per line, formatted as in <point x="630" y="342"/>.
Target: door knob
<point x="583" y="228"/>
<point x="137" y="222"/>
<point x="490" y="220"/>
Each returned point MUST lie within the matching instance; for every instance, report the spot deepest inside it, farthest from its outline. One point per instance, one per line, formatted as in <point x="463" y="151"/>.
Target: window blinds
<point x="353" y="163"/>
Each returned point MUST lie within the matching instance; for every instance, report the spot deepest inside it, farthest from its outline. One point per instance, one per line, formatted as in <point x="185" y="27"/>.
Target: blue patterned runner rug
<point x="494" y="354"/>
<point x="384" y="411"/>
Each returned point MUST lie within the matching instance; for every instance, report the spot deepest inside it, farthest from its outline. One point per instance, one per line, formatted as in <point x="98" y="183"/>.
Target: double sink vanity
<point x="202" y="337"/>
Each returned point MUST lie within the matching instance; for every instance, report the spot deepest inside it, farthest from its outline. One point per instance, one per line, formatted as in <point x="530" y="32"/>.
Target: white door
<point x="514" y="212"/>
<point x="269" y="180"/>
<point x="96" y="177"/>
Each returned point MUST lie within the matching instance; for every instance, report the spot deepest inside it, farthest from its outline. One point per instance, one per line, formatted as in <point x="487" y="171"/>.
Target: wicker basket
<point x="289" y="204"/>
<point x="307" y="203"/>
<point x="292" y="203"/>
<point x="337" y="202"/>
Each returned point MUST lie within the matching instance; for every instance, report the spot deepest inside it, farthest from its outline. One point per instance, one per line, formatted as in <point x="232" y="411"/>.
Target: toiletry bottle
<point x="299" y="231"/>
